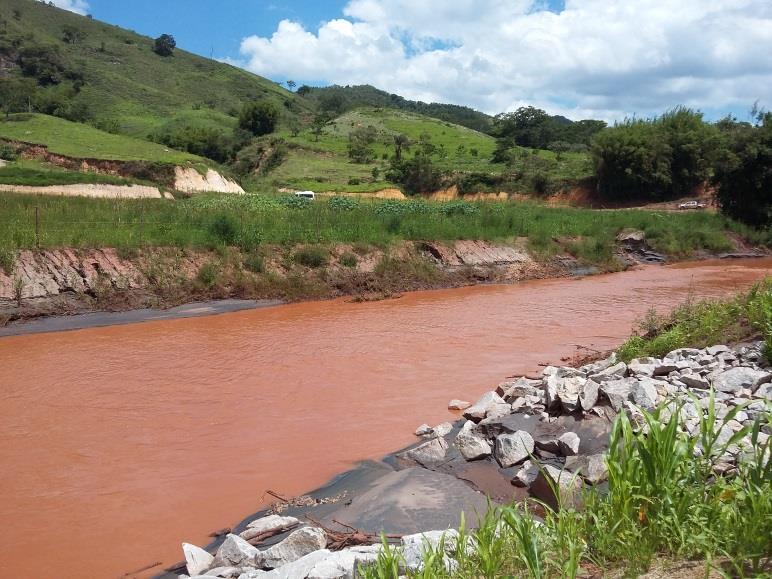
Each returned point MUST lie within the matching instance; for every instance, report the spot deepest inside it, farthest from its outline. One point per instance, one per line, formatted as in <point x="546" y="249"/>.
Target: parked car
<point x="691" y="205"/>
<point x="306" y="194"/>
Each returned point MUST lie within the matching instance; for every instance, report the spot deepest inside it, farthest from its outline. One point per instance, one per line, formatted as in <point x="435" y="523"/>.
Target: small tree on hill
<point x="259" y="117"/>
<point x="291" y="84"/>
<point x="164" y="45"/>
<point x="72" y="34"/>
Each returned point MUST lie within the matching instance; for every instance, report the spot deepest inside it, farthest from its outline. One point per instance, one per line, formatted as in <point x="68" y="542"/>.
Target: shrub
<point x="311" y="257"/>
<point x="354" y="181"/>
<point x="224" y="228"/>
<point x="259" y="117"/>
<point x="164" y="45"/>
<point x="342" y="203"/>
<point x="254" y="262"/>
<point x="348" y="259"/>
<point x="208" y="274"/>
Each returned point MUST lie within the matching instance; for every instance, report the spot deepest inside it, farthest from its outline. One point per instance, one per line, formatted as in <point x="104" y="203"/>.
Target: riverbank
<point x="599" y="490"/>
<point x="47" y="284"/>
<point x="190" y="421"/>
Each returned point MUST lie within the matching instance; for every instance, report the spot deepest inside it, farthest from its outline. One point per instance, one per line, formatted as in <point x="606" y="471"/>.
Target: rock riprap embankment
<point x="529" y="436"/>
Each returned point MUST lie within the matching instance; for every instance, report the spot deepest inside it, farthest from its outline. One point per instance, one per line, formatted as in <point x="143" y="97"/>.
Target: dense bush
<point x="262" y="156"/>
<point x="655" y="159"/>
<point x="164" y="45"/>
<point x="259" y="117"/>
<point x="203" y="141"/>
<point x="415" y="175"/>
<point x="311" y="256"/>
<point x="744" y="174"/>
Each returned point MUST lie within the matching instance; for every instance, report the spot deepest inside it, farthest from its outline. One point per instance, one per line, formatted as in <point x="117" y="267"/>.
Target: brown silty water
<point x="118" y="443"/>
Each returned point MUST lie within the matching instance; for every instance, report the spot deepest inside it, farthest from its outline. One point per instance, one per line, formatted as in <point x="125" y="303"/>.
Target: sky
<point x="605" y="59"/>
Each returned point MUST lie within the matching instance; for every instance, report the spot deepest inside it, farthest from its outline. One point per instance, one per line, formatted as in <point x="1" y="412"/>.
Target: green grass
<point x="85" y="142"/>
<point x="322" y="164"/>
<point x="249" y="220"/>
<point x="35" y="173"/>
<point x="703" y="323"/>
<point x="664" y="502"/>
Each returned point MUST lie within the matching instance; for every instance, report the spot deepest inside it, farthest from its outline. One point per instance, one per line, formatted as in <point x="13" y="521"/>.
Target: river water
<point x="118" y="443"/>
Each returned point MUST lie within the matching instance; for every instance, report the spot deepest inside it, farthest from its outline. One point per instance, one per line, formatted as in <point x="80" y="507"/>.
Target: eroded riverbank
<point x="130" y="439"/>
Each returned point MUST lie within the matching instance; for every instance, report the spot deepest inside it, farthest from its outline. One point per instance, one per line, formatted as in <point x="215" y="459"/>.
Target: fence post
<point x="37" y="227"/>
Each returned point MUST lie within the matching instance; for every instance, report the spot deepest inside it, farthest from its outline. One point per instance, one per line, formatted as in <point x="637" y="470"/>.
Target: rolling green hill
<point x="120" y="84"/>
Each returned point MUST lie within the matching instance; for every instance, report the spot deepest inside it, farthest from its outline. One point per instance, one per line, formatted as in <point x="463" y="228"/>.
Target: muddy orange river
<point x="118" y="443"/>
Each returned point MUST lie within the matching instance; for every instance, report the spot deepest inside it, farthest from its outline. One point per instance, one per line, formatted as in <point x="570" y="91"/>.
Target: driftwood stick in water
<point x="145" y="568"/>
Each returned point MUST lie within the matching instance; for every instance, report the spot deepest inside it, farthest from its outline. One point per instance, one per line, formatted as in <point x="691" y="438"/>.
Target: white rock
<point x="196" y="559"/>
<point x="695" y="381"/>
<point x="456" y="404"/>
<point x="568" y="391"/>
<point x="423" y="430"/>
<point x="593" y="468"/>
<point x="481" y="407"/>
<point x="643" y="366"/>
<point x="429" y="452"/>
<point x="568" y="444"/>
<point x="298" y="569"/>
<point x="499" y="410"/>
<point x="297" y="545"/>
<point x="736" y="379"/>
<point x="442" y="429"/>
<point x="716" y="350"/>
<point x="226" y="572"/>
<point x="588" y="398"/>
<point x="618" y="391"/>
<point x="344" y="564"/>
<point x="470" y="443"/>
<point x="644" y="394"/>
<point x="236" y="552"/>
<point x="269" y="524"/>
<point x="526" y="475"/>
<point x="614" y="372"/>
<point x="511" y="449"/>
<point x="414" y="546"/>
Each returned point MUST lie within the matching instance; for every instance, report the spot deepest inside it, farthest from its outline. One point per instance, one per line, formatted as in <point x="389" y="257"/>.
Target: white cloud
<point x="596" y="58"/>
<point x="79" y="6"/>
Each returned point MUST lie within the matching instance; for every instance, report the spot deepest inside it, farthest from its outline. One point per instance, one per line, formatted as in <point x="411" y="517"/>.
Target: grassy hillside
<point x="85" y="142"/>
<point x="127" y="87"/>
<point x="351" y="97"/>
<point x="321" y="162"/>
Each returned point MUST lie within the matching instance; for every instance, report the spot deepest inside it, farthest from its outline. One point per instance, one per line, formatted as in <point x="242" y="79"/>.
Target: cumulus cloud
<point x="79" y="6"/>
<point x="593" y="58"/>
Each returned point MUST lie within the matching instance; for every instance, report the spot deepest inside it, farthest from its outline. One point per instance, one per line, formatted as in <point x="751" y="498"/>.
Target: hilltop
<point x="110" y="76"/>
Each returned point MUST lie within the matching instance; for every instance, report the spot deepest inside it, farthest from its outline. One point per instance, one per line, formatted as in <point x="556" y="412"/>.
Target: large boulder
<point x="644" y="393"/>
<point x="196" y="559"/>
<point x="471" y="444"/>
<point x="297" y="545"/>
<point x="593" y="468"/>
<point x="618" y="391"/>
<point x="273" y="524"/>
<point x="568" y="444"/>
<point x="236" y="552"/>
<point x="512" y="389"/>
<point x="736" y="379"/>
<point x="614" y="372"/>
<point x="346" y="563"/>
<point x="588" y="397"/>
<point x="298" y="569"/>
<point x="511" y="449"/>
<point x="427" y="453"/>
<point x="569" y="390"/>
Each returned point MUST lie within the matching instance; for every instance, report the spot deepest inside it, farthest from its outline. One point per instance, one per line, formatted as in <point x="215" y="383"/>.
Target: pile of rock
<point x="540" y="434"/>
<point x="557" y="426"/>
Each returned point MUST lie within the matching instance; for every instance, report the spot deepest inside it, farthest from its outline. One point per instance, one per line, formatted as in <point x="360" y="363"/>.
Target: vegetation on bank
<point x="706" y="322"/>
<point x="665" y="502"/>
<point x="38" y="174"/>
<point x="250" y="220"/>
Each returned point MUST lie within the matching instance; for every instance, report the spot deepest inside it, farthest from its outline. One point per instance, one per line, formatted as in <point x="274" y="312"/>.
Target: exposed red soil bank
<point x="118" y="443"/>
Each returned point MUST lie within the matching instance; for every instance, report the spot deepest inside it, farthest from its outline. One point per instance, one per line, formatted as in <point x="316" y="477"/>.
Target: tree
<point x="527" y="127"/>
<point x="291" y="84"/>
<point x="164" y="45"/>
<point x="259" y="117"/>
<point x="15" y="94"/>
<point x="42" y="62"/>
<point x="401" y="142"/>
<point x="744" y="174"/>
<point x="321" y="120"/>
<point x="294" y="125"/>
<point x="304" y="90"/>
<point x="72" y="34"/>
<point x="359" y="141"/>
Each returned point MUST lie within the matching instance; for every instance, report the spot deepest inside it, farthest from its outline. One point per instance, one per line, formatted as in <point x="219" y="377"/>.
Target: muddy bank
<point x="133" y="438"/>
<point x="67" y="281"/>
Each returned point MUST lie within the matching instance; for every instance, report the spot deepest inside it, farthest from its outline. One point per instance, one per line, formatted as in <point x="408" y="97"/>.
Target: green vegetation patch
<point x="80" y="141"/>
<point x="36" y="174"/>
<point x="703" y="323"/>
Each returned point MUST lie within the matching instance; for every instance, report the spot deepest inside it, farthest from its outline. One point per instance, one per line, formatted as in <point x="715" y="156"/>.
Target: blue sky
<point x="203" y="26"/>
<point x="607" y="59"/>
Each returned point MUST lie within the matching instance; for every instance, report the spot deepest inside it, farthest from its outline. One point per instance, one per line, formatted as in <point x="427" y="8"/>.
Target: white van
<point x="305" y="194"/>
